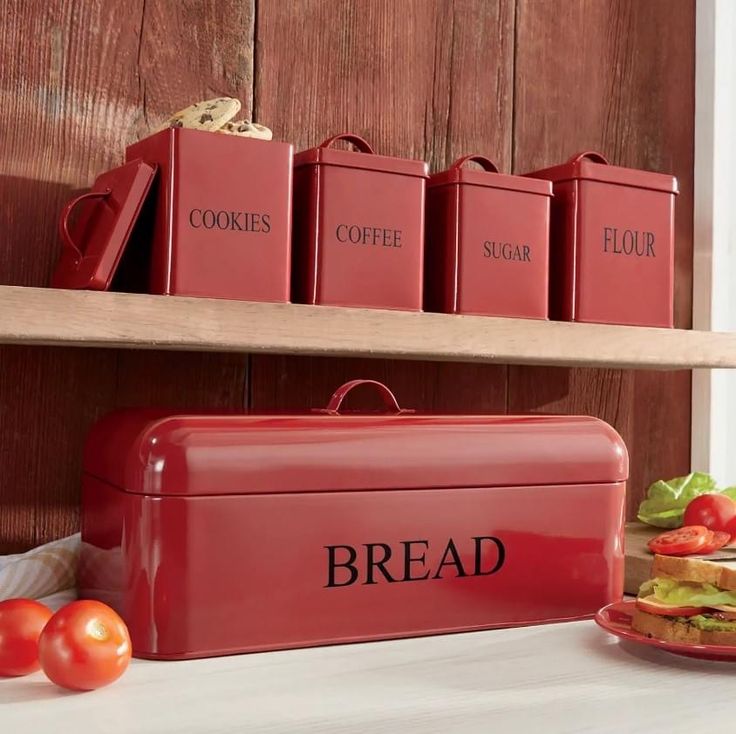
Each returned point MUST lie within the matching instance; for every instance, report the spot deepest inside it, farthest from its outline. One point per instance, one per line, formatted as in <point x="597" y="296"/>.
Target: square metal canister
<point x="611" y="243"/>
<point x="487" y="242"/>
<point x="219" y="534"/>
<point x="222" y="224"/>
<point x="358" y="227"/>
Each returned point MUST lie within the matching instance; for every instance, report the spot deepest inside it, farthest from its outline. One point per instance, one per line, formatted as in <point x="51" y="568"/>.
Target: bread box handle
<point x="389" y="399"/>
<point x="66" y="238"/>
<point x="485" y="163"/>
<point x="360" y="143"/>
<point x="590" y="155"/>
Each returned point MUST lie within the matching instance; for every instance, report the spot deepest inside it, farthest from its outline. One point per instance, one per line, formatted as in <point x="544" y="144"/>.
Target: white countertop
<point x="557" y="678"/>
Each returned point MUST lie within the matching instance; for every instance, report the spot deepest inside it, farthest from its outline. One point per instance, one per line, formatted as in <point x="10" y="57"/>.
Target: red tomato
<point x="716" y="542"/>
<point x="21" y="622"/>
<point x="680" y="542"/>
<point x="715" y="511"/>
<point x="667" y="610"/>
<point x="725" y="612"/>
<point x="84" y="646"/>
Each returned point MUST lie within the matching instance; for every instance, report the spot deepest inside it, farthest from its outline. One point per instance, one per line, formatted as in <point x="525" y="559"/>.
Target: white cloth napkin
<point x="42" y="572"/>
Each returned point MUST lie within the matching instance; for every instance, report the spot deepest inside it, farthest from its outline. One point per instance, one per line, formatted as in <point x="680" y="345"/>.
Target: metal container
<point x="487" y="242"/>
<point x="358" y="227"/>
<point x="222" y="225"/>
<point x="611" y="243"/>
<point x="218" y="534"/>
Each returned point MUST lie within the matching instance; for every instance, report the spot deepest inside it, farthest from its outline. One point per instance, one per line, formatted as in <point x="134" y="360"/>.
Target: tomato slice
<point x="717" y="542"/>
<point x="725" y="612"/>
<point x="680" y="542"/>
<point x="650" y="605"/>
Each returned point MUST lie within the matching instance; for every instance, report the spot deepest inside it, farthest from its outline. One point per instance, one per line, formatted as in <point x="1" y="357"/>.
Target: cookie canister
<point x="358" y="227"/>
<point x="222" y="225"/>
<point x="218" y="534"/>
<point x="487" y="241"/>
<point x="612" y="243"/>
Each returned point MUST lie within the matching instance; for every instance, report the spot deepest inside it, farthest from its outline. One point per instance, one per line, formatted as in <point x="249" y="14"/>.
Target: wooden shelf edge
<point x="44" y="316"/>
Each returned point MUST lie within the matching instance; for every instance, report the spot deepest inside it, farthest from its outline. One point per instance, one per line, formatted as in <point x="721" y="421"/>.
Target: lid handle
<point x="590" y="155"/>
<point x="66" y="238"/>
<point x="388" y="398"/>
<point x="360" y="143"/>
<point x="485" y="163"/>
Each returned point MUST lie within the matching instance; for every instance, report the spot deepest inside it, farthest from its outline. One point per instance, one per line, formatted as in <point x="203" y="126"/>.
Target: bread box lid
<point x="488" y="176"/>
<point x="366" y="159"/>
<point x="592" y="166"/>
<point x="93" y="246"/>
<point x="165" y="453"/>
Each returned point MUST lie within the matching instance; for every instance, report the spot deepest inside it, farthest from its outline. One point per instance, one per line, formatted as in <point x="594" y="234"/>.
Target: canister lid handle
<point x="389" y="399"/>
<point x="66" y="238"/>
<point x="360" y="143"/>
<point x="485" y="163"/>
<point x="590" y="155"/>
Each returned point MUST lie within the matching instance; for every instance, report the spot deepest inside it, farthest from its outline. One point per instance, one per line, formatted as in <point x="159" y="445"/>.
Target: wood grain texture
<point x="526" y="82"/>
<point x="86" y="80"/>
<point x="88" y="319"/>
<point x="429" y="80"/>
<point x="615" y="76"/>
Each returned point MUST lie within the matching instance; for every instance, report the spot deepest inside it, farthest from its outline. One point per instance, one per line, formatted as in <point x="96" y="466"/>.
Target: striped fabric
<point x="42" y="571"/>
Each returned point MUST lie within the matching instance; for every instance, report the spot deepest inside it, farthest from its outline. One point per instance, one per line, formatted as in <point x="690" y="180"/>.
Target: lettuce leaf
<point x="684" y="594"/>
<point x="730" y="491"/>
<point x="666" y="500"/>
<point x="711" y="624"/>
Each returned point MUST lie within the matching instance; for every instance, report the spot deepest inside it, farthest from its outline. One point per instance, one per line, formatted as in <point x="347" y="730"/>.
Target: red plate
<point x="616" y="619"/>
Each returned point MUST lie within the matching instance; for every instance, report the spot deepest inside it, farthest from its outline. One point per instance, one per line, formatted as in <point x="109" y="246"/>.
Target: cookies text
<point x="228" y="219"/>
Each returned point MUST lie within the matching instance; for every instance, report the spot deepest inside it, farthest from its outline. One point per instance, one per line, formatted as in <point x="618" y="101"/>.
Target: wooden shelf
<point x="82" y="318"/>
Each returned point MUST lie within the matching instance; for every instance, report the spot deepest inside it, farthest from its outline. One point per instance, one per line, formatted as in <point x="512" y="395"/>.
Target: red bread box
<point x="611" y="243"/>
<point x="487" y="242"/>
<point x="216" y="534"/>
<point x="358" y="227"/>
<point x="222" y="226"/>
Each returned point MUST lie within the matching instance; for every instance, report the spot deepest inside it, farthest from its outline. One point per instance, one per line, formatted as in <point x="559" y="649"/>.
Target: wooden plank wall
<point x="527" y="82"/>
<point x="89" y="79"/>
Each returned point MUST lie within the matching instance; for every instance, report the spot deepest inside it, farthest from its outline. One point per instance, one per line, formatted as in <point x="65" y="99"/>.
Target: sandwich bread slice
<point x="688" y="600"/>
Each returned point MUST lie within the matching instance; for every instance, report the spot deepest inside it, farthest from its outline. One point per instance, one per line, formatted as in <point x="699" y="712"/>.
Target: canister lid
<point x="365" y="158"/>
<point x="93" y="246"/>
<point x="488" y="176"/>
<point x="592" y="166"/>
<point x="160" y="453"/>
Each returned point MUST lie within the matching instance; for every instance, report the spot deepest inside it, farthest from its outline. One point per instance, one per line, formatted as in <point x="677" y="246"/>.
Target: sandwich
<point x="689" y="601"/>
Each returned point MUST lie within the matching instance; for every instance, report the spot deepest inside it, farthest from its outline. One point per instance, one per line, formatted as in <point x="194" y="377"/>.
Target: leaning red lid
<point x="593" y="166"/>
<point x="365" y="157"/>
<point x="488" y="176"/>
<point x="93" y="245"/>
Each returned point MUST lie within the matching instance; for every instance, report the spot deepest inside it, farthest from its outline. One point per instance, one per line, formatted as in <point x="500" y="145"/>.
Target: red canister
<point x="487" y="242"/>
<point x="612" y="243"/>
<point x="222" y="225"/>
<point x="358" y="227"/>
